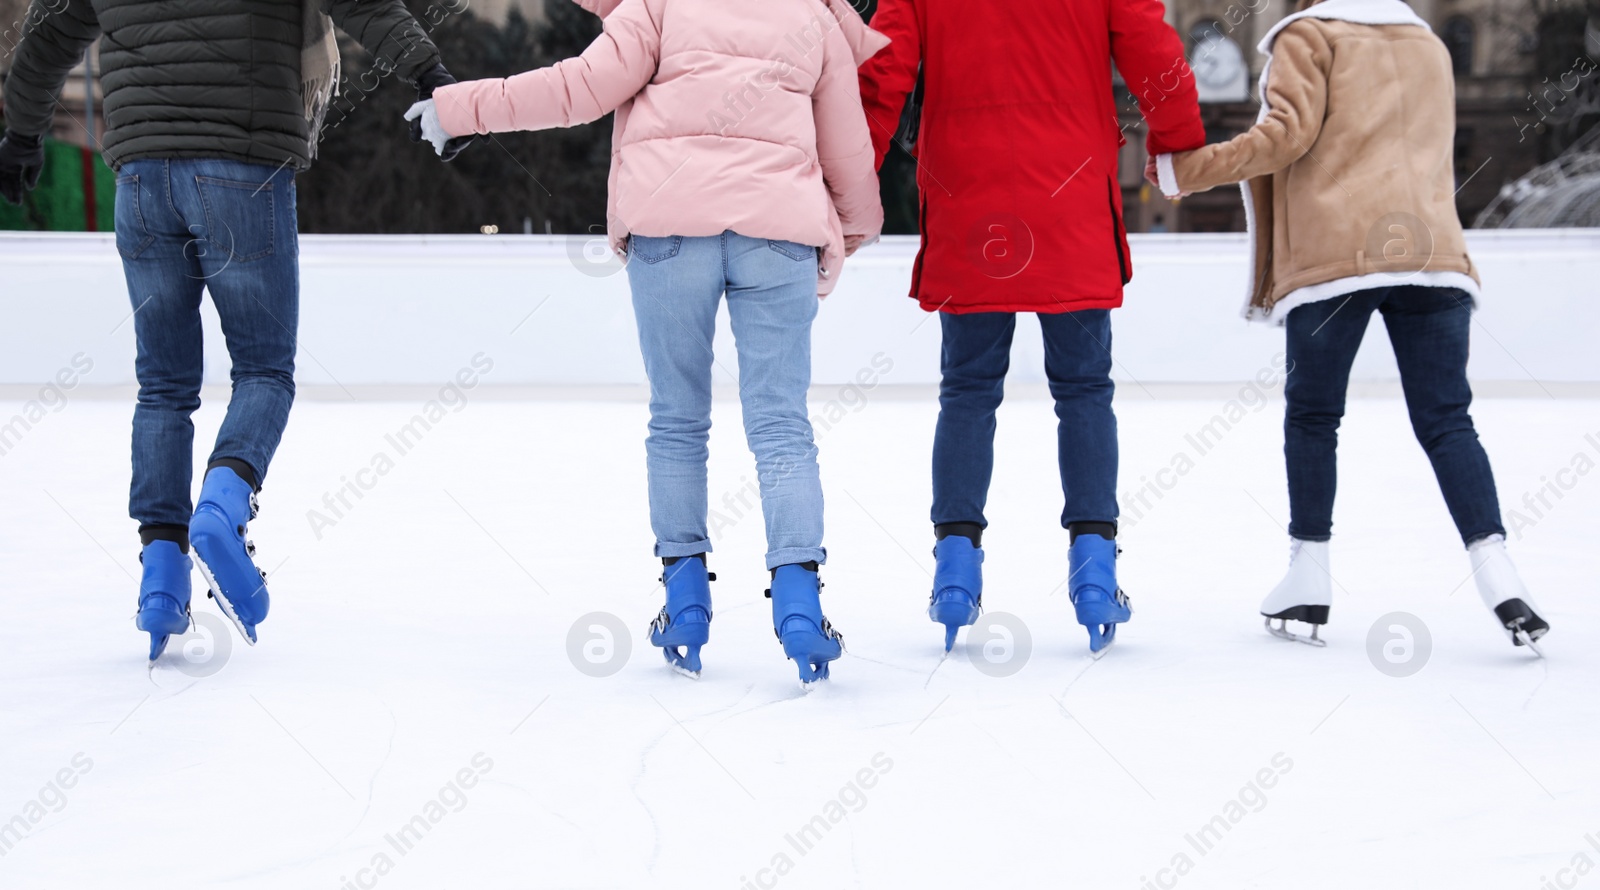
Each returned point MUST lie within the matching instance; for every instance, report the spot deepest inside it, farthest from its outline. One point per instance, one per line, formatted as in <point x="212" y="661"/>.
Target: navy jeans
<point x="974" y="360"/>
<point x="1428" y="327"/>
<point x="227" y="227"/>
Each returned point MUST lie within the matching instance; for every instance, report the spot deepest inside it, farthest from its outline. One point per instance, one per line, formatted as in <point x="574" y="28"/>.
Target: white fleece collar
<point x="1361" y="12"/>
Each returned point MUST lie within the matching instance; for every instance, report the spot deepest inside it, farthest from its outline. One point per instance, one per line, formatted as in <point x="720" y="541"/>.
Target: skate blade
<point x="159" y="637"/>
<point x="812" y="674"/>
<point x="1102" y="636"/>
<point x="817" y="678"/>
<point x="222" y="601"/>
<point x="954" y="616"/>
<point x="678" y="668"/>
<point x="1524" y="639"/>
<point x="685" y="663"/>
<point x="1282" y="632"/>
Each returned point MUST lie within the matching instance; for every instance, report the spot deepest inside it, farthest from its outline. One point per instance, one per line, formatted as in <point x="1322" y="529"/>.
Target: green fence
<point x="76" y="193"/>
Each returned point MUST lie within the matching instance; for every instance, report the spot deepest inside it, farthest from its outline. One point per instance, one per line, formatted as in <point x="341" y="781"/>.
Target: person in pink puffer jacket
<point x="741" y="166"/>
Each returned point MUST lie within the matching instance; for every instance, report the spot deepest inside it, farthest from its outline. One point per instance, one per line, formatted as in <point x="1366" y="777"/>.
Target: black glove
<point x="427" y="82"/>
<point x="21" y="162"/>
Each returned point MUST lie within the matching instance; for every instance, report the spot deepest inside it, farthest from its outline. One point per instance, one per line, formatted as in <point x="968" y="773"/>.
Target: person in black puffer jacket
<point x="211" y="108"/>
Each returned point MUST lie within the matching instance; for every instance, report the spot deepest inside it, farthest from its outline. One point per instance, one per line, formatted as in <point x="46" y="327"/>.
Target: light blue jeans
<point x="772" y="299"/>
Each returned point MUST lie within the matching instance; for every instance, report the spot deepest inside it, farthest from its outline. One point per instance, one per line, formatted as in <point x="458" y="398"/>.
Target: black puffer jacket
<point x="201" y="78"/>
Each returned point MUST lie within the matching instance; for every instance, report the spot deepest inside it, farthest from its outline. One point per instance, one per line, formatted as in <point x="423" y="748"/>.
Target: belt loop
<point x="1361" y="262"/>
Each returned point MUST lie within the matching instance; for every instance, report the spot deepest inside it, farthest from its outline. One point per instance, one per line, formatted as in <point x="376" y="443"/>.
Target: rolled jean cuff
<point x="795" y="555"/>
<point x="670" y="549"/>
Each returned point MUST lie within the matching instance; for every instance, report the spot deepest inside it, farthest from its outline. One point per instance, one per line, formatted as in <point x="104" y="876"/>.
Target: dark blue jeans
<point x="1428" y="327"/>
<point x="190" y="225"/>
<point x="974" y="361"/>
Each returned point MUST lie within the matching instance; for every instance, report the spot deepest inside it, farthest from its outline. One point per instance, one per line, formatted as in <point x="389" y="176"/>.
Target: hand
<point x="425" y="126"/>
<point x="852" y="243"/>
<point x="21" y="162"/>
<point x="450" y="146"/>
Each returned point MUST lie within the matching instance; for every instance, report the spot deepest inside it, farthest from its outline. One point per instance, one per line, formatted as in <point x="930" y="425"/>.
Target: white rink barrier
<point x="555" y="310"/>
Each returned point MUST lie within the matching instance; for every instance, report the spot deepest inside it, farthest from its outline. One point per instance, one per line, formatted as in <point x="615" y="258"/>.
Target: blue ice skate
<point x="216" y="533"/>
<point x="163" y="594"/>
<point x="797" y="619"/>
<point x="957" y="585"/>
<point x="1100" y="603"/>
<point x="684" y="624"/>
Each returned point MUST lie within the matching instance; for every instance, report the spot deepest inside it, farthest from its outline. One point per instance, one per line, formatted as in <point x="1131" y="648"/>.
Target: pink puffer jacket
<point x="731" y="114"/>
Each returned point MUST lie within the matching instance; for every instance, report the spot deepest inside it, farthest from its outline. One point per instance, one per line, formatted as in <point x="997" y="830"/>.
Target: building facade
<point x="1521" y="68"/>
<point x="1525" y="88"/>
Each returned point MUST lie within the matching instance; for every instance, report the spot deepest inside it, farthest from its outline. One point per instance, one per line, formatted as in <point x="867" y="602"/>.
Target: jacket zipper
<point x="922" y="245"/>
<point x="1116" y="230"/>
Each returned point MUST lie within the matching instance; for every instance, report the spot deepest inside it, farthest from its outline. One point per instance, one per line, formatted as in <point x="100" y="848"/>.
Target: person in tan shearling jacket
<point x="1349" y="191"/>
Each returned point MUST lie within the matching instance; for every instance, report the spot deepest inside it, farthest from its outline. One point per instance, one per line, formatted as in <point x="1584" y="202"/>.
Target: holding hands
<point x="853" y="243"/>
<point x="424" y="117"/>
<point x="1152" y="175"/>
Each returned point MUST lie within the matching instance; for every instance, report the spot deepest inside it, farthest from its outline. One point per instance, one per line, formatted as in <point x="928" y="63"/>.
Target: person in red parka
<point x="1021" y="211"/>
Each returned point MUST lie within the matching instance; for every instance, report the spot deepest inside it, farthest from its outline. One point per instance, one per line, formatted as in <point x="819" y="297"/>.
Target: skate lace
<point x="830" y="633"/>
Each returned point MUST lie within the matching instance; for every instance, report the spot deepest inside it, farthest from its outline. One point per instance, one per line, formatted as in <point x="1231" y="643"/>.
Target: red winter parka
<point x="1017" y="152"/>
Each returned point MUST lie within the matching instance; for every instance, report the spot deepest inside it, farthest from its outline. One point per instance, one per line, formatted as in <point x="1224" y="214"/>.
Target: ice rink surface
<point x="414" y="715"/>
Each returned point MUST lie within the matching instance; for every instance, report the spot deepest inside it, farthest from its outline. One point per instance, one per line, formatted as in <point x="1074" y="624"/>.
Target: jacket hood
<point x="864" y="42"/>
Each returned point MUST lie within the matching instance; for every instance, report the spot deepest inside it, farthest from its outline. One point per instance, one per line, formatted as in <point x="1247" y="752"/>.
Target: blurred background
<point x="1527" y="153"/>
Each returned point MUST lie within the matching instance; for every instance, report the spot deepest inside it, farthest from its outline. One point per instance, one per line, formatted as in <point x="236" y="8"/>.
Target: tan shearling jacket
<point x="1349" y="177"/>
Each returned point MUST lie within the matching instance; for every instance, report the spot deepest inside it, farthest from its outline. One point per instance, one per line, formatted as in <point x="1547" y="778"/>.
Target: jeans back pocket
<point x="240" y="217"/>
<point x="654" y="250"/>
<point x="792" y="250"/>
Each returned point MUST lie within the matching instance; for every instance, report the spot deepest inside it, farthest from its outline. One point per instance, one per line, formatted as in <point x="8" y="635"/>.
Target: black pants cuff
<point x="178" y="534"/>
<point x="1107" y="530"/>
<point x="972" y="531"/>
<point x="244" y="470"/>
